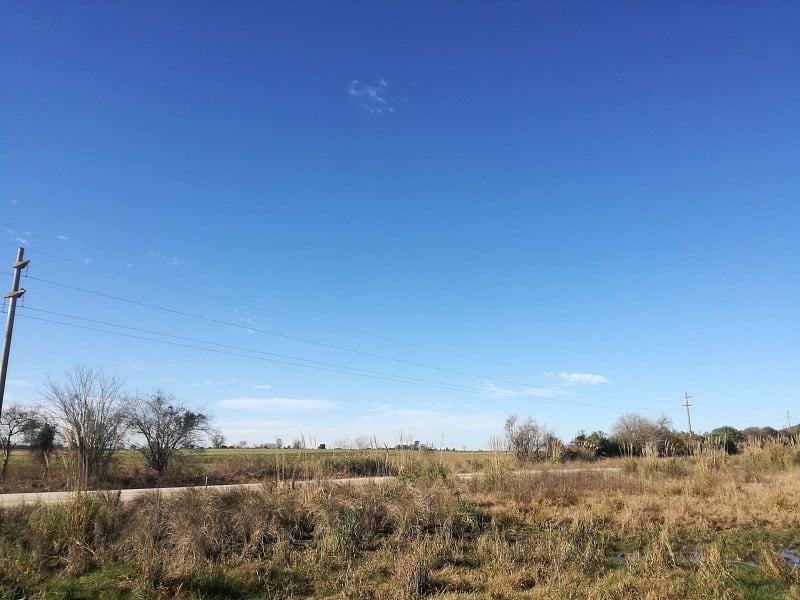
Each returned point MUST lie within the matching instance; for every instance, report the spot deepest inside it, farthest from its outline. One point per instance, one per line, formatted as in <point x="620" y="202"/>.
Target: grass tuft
<point x="706" y="526"/>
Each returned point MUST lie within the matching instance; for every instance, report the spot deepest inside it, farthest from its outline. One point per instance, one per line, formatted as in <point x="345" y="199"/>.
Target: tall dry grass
<point x="706" y="526"/>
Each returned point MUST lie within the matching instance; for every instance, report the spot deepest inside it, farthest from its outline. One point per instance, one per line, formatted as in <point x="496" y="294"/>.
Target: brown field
<point x="709" y="526"/>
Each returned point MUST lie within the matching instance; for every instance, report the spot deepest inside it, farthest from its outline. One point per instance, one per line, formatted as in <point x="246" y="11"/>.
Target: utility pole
<point x="686" y="397"/>
<point x="12" y="305"/>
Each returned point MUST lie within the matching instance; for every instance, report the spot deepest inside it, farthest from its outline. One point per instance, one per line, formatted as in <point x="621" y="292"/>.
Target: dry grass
<point x="247" y="465"/>
<point x="700" y="527"/>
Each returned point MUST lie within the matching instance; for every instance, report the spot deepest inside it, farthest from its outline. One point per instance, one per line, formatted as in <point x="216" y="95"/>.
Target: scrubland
<point x="704" y="526"/>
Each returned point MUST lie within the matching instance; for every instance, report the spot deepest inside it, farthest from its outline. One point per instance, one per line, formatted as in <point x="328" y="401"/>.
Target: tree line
<point x="90" y="417"/>
<point x="632" y="435"/>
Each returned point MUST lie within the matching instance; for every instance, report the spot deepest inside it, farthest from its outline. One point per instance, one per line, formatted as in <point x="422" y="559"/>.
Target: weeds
<point x="699" y="527"/>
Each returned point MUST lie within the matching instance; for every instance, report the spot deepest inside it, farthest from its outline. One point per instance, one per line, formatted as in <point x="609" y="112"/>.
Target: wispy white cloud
<point x="63" y="238"/>
<point x="21" y="237"/>
<point x="19" y="382"/>
<point x="389" y="422"/>
<point x="244" y="321"/>
<point x="261" y="387"/>
<point x="277" y="404"/>
<point x="371" y="98"/>
<point x="203" y="383"/>
<point x="583" y="378"/>
<point x="13" y="202"/>
<point x="497" y="392"/>
<point x="172" y="261"/>
<point x="133" y="363"/>
<point x="408" y="414"/>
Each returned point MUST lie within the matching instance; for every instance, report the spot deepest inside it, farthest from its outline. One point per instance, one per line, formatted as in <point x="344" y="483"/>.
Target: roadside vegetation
<point x="88" y="433"/>
<point x="642" y="512"/>
<point x="711" y="525"/>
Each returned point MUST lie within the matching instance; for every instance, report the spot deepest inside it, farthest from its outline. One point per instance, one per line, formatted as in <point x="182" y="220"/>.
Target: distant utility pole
<point x="686" y="397"/>
<point x="12" y="305"/>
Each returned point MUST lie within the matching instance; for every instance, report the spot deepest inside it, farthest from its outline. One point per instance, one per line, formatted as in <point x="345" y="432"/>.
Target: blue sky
<point x="457" y="211"/>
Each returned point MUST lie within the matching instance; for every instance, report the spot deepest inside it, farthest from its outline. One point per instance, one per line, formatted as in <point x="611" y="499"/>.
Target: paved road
<point x="127" y="495"/>
<point x="7" y="500"/>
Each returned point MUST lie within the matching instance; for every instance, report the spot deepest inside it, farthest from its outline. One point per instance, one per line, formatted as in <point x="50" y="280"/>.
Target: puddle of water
<point x="693" y="557"/>
<point x="791" y="557"/>
<point x="620" y="558"/>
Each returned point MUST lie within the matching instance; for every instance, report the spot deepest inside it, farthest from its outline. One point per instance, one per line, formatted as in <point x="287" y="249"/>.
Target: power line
<point x="216" y="351"/>
<point x="320" y="344"/>
<point x="352" y="371"/>
<point x="92" y="265"/>
<point x="224" y="299"/>
<point x="239" y="348"/>
<point x="247" y="327"/>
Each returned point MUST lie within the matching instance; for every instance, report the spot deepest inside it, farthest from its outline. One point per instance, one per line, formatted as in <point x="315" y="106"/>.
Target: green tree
<point x="596" y="443"/>
<point x="727" y="438"/>
<point x="40" y="436"/>
<point x="166" y="426"/>
<point x="13" y="423"/>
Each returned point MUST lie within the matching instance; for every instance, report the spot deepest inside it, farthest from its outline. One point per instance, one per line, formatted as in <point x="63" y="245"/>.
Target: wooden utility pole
<point x="12" y="305"/>
<point x="686" y="397"/>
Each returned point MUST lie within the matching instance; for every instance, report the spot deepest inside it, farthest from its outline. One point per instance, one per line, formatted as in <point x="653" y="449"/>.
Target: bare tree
<point x="87" y="405"/>
<point x="635" y="434"/>
<point x="528" y="440"/>
<point x="13" y="423"/>
<point x="363" y="442"/>
<point x="166" y="426"/>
